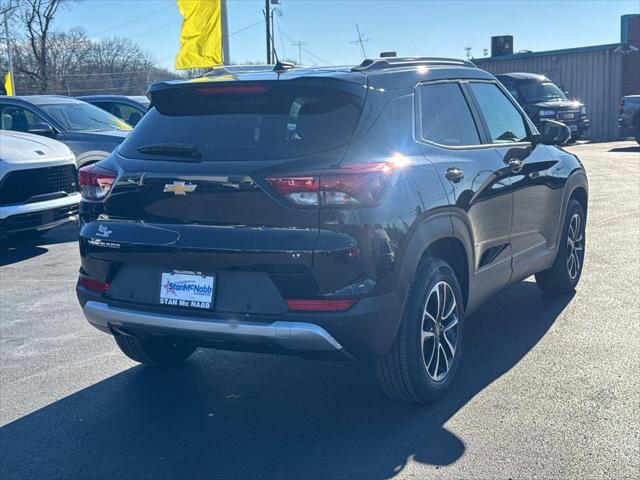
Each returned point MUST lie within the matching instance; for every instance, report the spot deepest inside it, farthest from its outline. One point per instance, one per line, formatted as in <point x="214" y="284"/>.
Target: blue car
<point x="131" y="109"/>
<point x="91" y="133"/>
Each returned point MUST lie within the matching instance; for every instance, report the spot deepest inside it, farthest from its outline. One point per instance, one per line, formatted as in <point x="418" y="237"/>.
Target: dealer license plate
<point x="187" y="289"/>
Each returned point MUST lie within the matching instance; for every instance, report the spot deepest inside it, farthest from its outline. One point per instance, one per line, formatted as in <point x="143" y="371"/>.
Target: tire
<point x="407" y="373"/>
<point x="575" y="137"/>
<point x="161" y="353"/>
<point x="564" y="274"/>
<point x="636" y="134"/>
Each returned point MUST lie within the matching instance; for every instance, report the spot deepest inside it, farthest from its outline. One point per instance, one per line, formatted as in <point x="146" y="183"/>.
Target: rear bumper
<point x="367" y="330"/>
<point x="288" y="335"/>
<point x="38" y="215"/>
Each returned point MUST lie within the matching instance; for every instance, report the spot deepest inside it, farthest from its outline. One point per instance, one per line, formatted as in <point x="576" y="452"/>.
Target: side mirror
<point x="41" y="128"/>
<point x="555" y="133"/>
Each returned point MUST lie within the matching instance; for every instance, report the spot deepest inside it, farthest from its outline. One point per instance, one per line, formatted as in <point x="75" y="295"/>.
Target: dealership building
<point x="598" y="75"/>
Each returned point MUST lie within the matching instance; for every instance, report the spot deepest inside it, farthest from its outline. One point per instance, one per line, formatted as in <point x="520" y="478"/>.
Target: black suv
<point x="543" y="100"/>
<point x="355" y="213"/>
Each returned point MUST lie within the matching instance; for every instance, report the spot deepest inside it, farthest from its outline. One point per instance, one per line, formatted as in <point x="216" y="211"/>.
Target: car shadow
<point x="229" y="415"/>
<point x="632" y="149"/>
<point x="14" y="250"/>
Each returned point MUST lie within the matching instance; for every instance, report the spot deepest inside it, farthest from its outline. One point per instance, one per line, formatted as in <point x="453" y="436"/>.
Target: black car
<point x="629" y="119"/>
<point x="90" y="133"/>
<point x="542" y="100"/>
<point x="130" y="108"/>
<point x="356" y="213"/>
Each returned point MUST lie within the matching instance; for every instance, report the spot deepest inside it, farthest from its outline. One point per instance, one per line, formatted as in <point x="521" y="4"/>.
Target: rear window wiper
<point x="184" y="150"/>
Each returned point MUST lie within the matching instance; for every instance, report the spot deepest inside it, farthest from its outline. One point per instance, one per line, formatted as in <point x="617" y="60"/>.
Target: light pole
<point x="225" y="32"/>
<point x="8" y="42"/>
<point x="267" y="19"/>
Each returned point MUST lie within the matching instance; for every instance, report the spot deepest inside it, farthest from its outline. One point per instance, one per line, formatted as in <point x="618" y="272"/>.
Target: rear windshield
<point x="246" y="122"/>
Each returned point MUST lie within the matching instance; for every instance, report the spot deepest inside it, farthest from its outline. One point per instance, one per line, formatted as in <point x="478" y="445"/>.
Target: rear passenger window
<point x="446" y="118"/>
<point x="505" y="123"/>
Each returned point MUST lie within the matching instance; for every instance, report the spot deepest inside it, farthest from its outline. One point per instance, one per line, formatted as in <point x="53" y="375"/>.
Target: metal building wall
<point x="594" y="77"/>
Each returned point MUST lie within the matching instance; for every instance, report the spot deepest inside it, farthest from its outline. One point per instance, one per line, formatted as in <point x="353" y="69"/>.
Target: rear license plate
<point x="573" y="128"/>
<point x="187" y="289"/>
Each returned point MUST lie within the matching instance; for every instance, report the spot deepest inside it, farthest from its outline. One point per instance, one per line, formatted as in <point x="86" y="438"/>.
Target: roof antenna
<point x="279" y="66"/>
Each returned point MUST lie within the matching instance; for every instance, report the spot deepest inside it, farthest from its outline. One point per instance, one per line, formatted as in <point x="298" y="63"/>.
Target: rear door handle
<point x="454" y="174"/>
<point x="515" y="164"/>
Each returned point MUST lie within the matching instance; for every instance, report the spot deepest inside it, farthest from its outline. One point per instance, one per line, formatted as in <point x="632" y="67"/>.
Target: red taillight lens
<point x="354" y="186"/>
<point x="621" y="107"/>
<point x="321" y="305"/>
<point x="362" y="189"/>
<point x="302" y="191"/>
<point x="94" y="285"/>
<point x="95" y="182"/>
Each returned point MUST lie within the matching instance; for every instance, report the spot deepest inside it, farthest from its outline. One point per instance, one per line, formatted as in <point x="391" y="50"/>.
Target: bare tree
<point x="37" y="17"/>
<point x="8" y="7"/>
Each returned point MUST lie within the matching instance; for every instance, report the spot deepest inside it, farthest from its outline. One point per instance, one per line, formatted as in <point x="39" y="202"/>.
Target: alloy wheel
<point x="439" y="335"/>
<point x="575" y="246"/>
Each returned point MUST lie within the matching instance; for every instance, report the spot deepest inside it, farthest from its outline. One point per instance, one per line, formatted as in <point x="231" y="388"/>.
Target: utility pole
<point x="225" y="32"/>
<point x="299" y="44"/>
<point x="468" y="49"/>
<point x="267" y="19"/>
<point x="8" y="42"/>
<point x="361" y="41"/>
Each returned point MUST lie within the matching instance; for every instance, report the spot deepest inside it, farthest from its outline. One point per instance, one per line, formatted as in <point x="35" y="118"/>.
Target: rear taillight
<point x="95" y="182"/>
<point x="621" y="107"/>
<point x="94" y="285"/>
<point x="302" y="191"/>
<point x="352" y="186"/>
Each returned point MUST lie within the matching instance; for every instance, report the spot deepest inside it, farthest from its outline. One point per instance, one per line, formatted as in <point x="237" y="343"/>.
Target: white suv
<point x="38" y="184"/>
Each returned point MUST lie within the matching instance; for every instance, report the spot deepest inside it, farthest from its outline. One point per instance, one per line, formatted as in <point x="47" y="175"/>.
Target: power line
<point x="174" y="22"/>
<point x="137" y="19"/>
<point x="247" y="28"/>
<point x="320" y="59"/>
<point x="299" y="44"/>
<point x="306" y="50"/>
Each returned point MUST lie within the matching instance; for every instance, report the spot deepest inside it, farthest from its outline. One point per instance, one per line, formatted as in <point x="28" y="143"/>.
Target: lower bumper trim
<point x="300" y="336"/>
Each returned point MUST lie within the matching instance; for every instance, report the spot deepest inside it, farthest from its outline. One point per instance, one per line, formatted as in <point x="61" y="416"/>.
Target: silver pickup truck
<point x="629" y="120"/>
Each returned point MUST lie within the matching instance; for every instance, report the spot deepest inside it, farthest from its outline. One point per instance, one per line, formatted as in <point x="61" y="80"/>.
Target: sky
<point x="409" y="27"/>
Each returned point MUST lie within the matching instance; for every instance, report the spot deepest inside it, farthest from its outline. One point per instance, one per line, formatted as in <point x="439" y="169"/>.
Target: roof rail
<point x="392" y="62"/>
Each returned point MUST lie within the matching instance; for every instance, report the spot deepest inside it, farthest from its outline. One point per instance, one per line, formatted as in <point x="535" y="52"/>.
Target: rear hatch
<point x="195" y="188"/>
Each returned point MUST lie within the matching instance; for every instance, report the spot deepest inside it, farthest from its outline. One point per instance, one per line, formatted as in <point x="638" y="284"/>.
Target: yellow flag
<point x="201" y="34"/>
<point x="8" y="85"/>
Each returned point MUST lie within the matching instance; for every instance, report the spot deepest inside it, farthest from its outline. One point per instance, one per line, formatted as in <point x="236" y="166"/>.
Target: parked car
<point x="38" y="184"/>
<point x="131" y="109"/>
<point x="90" y="132"/>
<point x="542" y="100"/>
<point x="629" y="120"/>
<point x="338" y="212"/>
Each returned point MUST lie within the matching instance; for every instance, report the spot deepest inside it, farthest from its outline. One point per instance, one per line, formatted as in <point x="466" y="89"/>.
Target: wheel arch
<point x="445" y="236"/>
<point x="581" y="196"/>
<point x="91" y="156"/>
<point x="576" y="187"/>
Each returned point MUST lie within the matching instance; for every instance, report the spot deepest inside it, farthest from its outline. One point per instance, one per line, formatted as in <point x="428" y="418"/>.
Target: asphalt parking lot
<point x="549" y="386"/>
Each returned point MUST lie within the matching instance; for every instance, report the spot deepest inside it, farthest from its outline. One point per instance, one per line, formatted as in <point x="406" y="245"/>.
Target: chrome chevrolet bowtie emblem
<point x="179" y="188"/>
